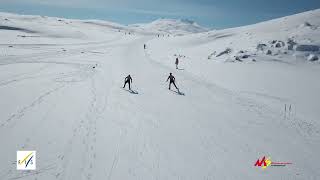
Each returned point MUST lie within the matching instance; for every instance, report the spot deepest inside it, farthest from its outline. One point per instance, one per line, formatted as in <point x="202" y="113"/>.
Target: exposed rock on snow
<point x="245" y="56"/>
<point x="277" y="48"/>
<point x="227" y="51"/>
<point x="291" y="43"/>
<point x="261" y="47"/>
<point x="237" y="59"/>
<point x="305" y="47"/>
<point x="269" y="52"/>
<point x="312" y="57"/>
<point x="212" y="54"/>
<point x="279" y="44"/>
<point x="306" y="24"/>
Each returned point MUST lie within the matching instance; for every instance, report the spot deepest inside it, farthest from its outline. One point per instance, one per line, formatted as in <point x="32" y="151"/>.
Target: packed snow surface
<point x="245" y="93"/>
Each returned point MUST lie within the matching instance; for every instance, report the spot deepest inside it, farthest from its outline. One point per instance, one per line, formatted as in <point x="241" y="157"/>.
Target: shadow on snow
<point x="178" y="92"/>
<point x="131" y="91"/>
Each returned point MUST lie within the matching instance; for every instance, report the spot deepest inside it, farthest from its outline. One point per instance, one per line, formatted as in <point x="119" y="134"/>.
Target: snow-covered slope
<point x="61" y="95"/>
<point x="43" y="28"/>
<point x="47" y="30"/>
<point x="171" y="26"/>
<point x="254" y="57"/>
<point x="275" y="35"/>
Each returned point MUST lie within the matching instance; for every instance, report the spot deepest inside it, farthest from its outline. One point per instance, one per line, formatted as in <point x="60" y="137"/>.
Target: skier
<point x="172" y="81"/>
<point x="177" y="63"/>
<point x="128" y="80"/>
<point x="144" y="46"/>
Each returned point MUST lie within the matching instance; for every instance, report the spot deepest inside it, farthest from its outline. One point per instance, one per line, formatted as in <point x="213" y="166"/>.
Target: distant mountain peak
<point x="172" y="26"/>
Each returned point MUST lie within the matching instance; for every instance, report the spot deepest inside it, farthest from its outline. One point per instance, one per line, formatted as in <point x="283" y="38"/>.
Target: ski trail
<point x="81" y="141"/>
<point x="22" y="76"/>
<point x="246" y="102"/>
<point x="115" y="159"/>
<point x="223" y="98"/>
<point x="86" y="133"/>
<point x="16" y="116"/>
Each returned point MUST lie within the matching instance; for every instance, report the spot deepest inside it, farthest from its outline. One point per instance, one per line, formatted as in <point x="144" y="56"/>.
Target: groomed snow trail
<point x="84" y="126"/>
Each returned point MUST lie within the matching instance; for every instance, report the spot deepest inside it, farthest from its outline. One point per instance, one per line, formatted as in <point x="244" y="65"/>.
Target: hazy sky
<point x="210" y="13"/>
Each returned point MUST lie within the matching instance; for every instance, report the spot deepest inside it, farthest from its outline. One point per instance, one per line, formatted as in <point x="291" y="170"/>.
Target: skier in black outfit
<point x="128" y="80"/>
<point x="172" y="81"/>
<point x="144" y="46"/>
<point x="177" y="63"/>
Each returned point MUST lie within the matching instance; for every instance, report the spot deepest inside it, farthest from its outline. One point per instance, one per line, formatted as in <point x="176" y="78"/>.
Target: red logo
<point x="259" y="162"/>
<point x="266" y="161"/>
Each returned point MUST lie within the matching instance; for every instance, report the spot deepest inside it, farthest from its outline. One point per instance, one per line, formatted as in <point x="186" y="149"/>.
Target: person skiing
<point x="144" y="46"/>
<point x="177" y="63"/>
<point x="128" y="80"/>
<point x="172" y="81"/>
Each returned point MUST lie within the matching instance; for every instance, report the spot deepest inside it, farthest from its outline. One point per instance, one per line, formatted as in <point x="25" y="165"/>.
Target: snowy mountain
<point x="289" y="39"/>
<point x="244" y="93"/>
<point x="71" y="28"/>
<point x="171" y="26"/>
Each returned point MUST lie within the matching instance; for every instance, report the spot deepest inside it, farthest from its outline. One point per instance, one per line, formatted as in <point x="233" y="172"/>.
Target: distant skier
<point x="172" y="81"/>
<point x="128" y="80"/>
<point x="144" y="46"/>
<point x="177" y="63"/>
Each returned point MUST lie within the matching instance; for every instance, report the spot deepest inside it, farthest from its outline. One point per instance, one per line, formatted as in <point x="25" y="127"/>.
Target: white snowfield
<point x="249" y="92"/>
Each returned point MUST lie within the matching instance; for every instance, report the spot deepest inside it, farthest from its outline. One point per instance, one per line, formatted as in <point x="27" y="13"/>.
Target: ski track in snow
<point x="85" y="130"/>
<point x="84" y="72"/>
<point x="114" y="134"/>
<point x="249" y="103"/>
